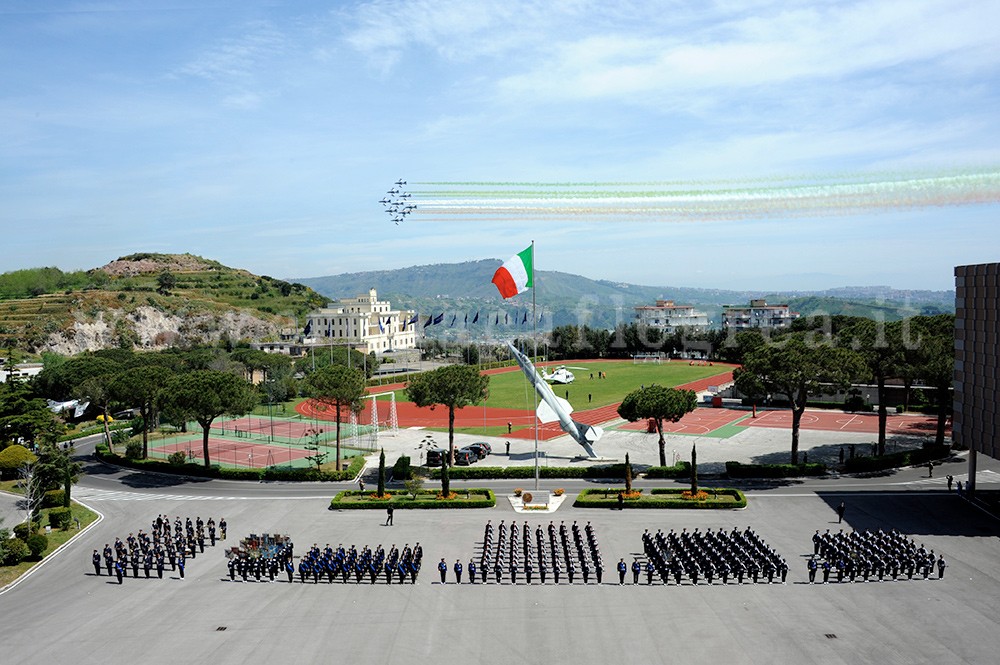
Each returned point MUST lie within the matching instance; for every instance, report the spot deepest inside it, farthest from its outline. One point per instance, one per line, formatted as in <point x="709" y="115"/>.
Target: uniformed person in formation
<point x="96" y="559"/>
<point x="622" y="569"/>
<point x="458" y="571"/>
<point x="443" y="570"/>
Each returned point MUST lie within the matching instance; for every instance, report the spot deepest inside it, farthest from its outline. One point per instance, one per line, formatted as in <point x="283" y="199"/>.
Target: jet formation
<point x="396" y="202"/>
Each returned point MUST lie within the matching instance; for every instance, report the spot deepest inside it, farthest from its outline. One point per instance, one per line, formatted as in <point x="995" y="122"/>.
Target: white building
<point x="668" y="317"/>
<point x="365" y="323"/>
<point x="757" y="315"/>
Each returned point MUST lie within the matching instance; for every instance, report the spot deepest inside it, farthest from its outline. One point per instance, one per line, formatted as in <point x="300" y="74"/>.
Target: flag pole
<point x="534" y="339"/>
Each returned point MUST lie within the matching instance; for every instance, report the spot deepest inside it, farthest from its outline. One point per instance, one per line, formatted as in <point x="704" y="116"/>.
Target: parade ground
<point x="64" y="611"/>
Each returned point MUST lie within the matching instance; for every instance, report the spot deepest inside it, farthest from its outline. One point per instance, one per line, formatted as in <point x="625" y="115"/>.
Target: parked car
<point x="435" y="455"/>
<point x="481" y="449"/>
<point x="465" y="457"/>
<point x="484" y="444"/>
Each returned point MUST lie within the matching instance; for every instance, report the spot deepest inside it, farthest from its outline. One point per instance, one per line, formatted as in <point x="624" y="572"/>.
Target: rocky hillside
<point x="146" y="301"/>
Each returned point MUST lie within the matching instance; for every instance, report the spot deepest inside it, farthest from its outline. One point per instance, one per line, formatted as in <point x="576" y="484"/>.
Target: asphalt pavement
<point x="64" y="612"/>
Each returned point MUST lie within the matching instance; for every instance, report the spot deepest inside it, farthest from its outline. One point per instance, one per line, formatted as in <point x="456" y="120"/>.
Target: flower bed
<point x="433" y="499"/>
<point x="714" y="498"/>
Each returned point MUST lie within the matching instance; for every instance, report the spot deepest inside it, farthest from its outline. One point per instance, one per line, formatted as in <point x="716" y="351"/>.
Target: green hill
<point x="144" y="300"/>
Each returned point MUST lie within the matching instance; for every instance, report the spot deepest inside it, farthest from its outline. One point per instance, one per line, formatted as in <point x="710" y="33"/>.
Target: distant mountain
<point x="564" y="298"/>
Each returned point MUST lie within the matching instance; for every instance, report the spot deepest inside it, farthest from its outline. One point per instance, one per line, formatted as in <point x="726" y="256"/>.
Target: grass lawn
<point x="511" y="390"/>
<point x="10" y="573"/>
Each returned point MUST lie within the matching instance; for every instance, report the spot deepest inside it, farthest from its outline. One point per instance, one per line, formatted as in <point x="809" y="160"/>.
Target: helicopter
<point x="562" y="375"/>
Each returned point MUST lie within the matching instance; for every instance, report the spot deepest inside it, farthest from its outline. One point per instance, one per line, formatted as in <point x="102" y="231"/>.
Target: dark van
<point x="435" y="456"/>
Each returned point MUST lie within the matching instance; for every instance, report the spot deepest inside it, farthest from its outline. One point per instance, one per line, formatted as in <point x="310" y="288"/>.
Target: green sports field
<point x="511" y="390"/>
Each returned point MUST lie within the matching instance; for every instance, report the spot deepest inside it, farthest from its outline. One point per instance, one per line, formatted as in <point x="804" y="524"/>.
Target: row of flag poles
<point x="439" y="319"/>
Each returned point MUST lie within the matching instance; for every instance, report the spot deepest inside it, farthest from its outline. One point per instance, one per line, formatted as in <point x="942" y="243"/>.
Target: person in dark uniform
<point x="812" y="565"/>
<point x="96" y="560"/>
<point x="458" y="571"/>
<point x="472" y="571"/>
<point x="180" y="564"/>
<point x="528" y="570"/>
<point x="222" y="527"/>
<point x="841" y="509"/>
<point x="636" y="569"/>
<point x="570" y="570"/>
<point x="120" y="569"/>
<point x="556" y="570"/>
<point x="497" y="570"/>
<point x="826" y="572"/>
<point x="135" y="563"/>
<point x="443" y="570"/>
<point x="388" y="516"/>
<point x="542" y="569"/>
<point x="622" y="569"/>
<point x="388" y="572"/>
<point x="513" y="571"/>
<point x="159" y="566"/>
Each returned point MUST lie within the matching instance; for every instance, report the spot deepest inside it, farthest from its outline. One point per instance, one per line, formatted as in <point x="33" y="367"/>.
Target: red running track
<point x="410" y="415"/>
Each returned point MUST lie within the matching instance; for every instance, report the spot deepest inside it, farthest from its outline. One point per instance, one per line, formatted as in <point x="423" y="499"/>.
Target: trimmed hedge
<point x="740" y="470"/>
<point x="489" y="500"/>
<point x="53" y="499"/>
<point x="896" y="460"/>
<point x="59" y="518"/>
<point x="226" y="473"/>
<point x="658" y="498"/>
<point x="613" y="471"/>
<point x="679" y="470"/>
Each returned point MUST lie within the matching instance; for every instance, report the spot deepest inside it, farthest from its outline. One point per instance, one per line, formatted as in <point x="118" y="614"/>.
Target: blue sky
<point x="263" y="134"/>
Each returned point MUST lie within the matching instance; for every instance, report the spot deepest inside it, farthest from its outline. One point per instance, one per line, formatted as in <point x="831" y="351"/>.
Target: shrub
<point x="177" y="458"/>
<point x="401" y="470"/>
<point x="37" y="544"/>
<point x="612" y="471"/>
<point x="53" y="499"/>
<point x="895" y="460"/>
<point x="59" y="518"/>
<point x="133" y="450"/>
<point x="214" y="471"/>
<point x="679" y="470"/>
<point x="23" y="531"/>
<point x="16" y="551"/>
<point x="739" y="470"/>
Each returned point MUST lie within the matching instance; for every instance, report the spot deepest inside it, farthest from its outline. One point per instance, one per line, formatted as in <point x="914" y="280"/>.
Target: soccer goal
<point x="366" y="437"/>
<point x="643" y="358"/>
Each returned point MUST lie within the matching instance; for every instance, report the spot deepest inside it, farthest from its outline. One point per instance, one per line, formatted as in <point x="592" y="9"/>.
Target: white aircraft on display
<point x="562" y="375"/>
<point x="554" y="408"/>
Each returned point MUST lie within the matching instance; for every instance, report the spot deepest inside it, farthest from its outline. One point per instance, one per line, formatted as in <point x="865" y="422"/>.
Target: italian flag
<point x="516" y="275"/>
